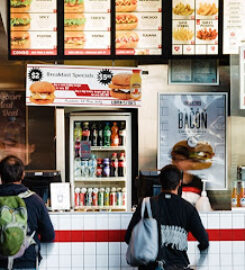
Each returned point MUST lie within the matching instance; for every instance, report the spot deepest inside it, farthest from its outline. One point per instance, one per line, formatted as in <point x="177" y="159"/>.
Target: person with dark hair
<point x="38" y="221"/>
<point x="176" y="218"/>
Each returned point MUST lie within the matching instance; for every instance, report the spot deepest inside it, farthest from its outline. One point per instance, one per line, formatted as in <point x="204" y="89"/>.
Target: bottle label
<point x="107" y="133"/>
<point x="242" y="202"/>
<point x="86" y="133"/>
<point x="234" y="202"/>
<point x="115" y="141"/>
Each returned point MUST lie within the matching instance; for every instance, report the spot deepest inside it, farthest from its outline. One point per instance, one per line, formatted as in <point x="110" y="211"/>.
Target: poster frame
<point x="225" y="95"/>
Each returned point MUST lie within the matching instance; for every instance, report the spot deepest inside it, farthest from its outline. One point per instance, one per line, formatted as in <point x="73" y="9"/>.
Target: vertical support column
<point x="60" y="141"/>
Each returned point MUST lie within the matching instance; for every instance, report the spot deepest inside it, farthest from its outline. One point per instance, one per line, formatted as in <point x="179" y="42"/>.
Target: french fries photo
<point x="207" y="34"/>
<point x="183" y="10"/>
<point x="206" y="9"/>
<point x="183" y="34"/>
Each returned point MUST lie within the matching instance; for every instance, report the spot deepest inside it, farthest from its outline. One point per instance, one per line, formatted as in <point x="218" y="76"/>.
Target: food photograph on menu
<point x="195" y="27"/>
<point x="33" y="27"/>
<point x="87" y="26"/>
<point x="138" y="27"/>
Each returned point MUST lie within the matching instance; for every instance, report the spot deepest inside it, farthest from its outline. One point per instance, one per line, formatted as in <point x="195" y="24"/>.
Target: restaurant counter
<point x="91" y="240"/>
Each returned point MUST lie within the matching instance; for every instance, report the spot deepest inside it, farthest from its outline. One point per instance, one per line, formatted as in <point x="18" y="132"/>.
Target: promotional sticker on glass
<point x="194" y="137"/>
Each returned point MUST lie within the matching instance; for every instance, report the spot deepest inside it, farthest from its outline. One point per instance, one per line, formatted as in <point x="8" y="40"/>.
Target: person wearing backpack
<point x="24" y="220"/>
<point x="176" y="217"/>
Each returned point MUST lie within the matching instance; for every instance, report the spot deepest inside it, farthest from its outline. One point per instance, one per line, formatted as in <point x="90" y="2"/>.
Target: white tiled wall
<point x="225" y="255"/>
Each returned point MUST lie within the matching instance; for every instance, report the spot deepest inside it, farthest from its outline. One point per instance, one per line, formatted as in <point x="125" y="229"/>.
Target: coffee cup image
<point x="42" y="93"/>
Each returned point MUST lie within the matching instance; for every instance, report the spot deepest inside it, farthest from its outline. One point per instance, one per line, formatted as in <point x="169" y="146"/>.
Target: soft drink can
<point x="107" y="197"/>
<point x="119" y="197"/>
<point x="113" y="197"/>
<point x="82" y="196"/>
<point x="95" y="197"/>
<point x="76" y="202"/>
<point x="89" y="197"/>
<point x="101" y="197"/>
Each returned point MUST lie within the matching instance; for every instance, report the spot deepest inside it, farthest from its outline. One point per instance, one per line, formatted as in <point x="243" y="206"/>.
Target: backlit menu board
<point x="33" y="27"/>
<point x="234" y="25"/>
<point x="195" y="27"/>
<point x="138" y="27"/>
<point x="87" y="27"/>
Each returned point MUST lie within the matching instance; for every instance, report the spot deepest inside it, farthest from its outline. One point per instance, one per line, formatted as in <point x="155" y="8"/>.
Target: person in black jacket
<point x="12" y="173"/>
<point x="176" y="217"/>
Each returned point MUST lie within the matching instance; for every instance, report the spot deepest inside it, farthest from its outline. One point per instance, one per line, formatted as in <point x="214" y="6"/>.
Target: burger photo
<point x="74" y="21"/>
<point x="198" y="157"/>
<point x="74" y="40"/>
<point x="74" y="5"/>
<point x="126" y="39"/>
<point x="20" y="40"/>
<point x="20" y="5"/>
<point x="42" y="93"/>
<point x="126" y="5"/>
<point x="126" y="21"/>
<point x="120" y="86"/>
<point x="20" y="21"/>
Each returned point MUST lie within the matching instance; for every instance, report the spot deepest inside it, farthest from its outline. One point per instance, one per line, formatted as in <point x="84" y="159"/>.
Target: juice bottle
<point x="234" y="195"/>
<point x="135" y="85"/>
<point x="242" y="195"/>
<point x="114" y="135"/>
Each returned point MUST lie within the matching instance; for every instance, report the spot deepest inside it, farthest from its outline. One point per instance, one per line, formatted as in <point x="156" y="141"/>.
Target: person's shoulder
<point x="186" y="204"/>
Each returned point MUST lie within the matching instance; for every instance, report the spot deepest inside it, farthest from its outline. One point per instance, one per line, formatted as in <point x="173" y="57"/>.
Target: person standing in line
<point x="175" y="217"/>
<point x="38" y="221"/>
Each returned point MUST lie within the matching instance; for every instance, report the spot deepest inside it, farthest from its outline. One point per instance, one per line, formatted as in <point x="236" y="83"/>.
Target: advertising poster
<point x="33" y="27"/>
<point x="194" y="71"/>
<point x="242" y="77"/>
<point x="87" y="26"/>
<point x="59" y="85"/>
<point x="138" y="27"/>
<point x="233" y="29"/>
<point x="192" y="135"/>
<point x="195" y="27"/>
<point x="13" y="124"/>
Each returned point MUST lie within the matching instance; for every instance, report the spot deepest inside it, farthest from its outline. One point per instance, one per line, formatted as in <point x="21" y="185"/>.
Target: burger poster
<point x="138" y="25"/>
<point x="87" y="26"/>
<point x="59" y="85"/>
<point x="195" y="27"/>
<point x="192" y="135"/>
<point x="33" y="27"/>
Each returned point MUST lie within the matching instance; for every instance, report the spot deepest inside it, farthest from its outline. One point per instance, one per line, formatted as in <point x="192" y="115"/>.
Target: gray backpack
<point x="143" y="244"/>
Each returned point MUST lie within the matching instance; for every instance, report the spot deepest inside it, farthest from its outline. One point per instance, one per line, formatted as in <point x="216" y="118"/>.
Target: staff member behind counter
<point x="188" y="158"/>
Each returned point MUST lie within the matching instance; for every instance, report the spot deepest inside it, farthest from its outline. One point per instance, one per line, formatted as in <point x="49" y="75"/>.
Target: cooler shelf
<point x="100" y="179"/>
<point x="94" y="208"/>
<point x="108" y="148"/>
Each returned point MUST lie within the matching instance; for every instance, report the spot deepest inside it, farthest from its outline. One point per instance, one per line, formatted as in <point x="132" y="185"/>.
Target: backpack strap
<point x="26" y="194"/>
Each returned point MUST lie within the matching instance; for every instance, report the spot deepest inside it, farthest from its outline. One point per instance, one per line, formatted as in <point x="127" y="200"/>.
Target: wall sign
<point x="59" y="85"/>
<point x="194" y="137"/>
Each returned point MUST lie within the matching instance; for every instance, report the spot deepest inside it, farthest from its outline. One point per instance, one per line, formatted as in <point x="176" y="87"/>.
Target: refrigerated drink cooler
<point x="100" y="161"/>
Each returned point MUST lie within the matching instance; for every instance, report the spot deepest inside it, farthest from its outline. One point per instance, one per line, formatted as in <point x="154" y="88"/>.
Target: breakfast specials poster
<point x="59" y="85"/>
<point x="192" y="134"/>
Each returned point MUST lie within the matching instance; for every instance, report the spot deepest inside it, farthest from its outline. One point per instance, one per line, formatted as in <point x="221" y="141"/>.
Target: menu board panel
<point x="195" y="27"/>
<point x="138" y="27"/>
<point x="87" y="26"/>
<point x="233" y="30"/>
<point x="33" y="27"/>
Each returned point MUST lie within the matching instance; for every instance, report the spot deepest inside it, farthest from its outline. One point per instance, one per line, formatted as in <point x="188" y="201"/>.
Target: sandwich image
<point x="19" y="40"/>
<point x="42" y="93"/>
<point x="74" y="5"/>
<point x="74" y="21"/>
<point x="74" y="40"/>
<point x="120" y="86"/>
<point x="20" y="5"/>
<point x="198" y="157"/>
<point x="20" y="21"/>
<point x="126" y="21"/>
<point x="126" y="39"/>
<point x="126" y="5"/>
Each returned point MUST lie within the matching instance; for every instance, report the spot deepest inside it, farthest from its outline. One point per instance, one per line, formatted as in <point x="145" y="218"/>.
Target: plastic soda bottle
<point x="122" y="134"/>
<point x="234" y="196"/>
<point x="94" y="134"/>
<point x="114" y="165"/>
<point x="242" y="195"/>
<point x="107" y="135"/>
<point x="95" y="197"/>
<point x="92" y="166"/>
<point x="124" y="196"/>
<point x="85" y="132"/>
<point x="100" y="135"/>
<point x="88" y="199"/>
<point x="82" y="196"/>
<point x="121" y="165"/>
<point x="77" y="132"/>
<point x="99" y="167"/>
<point x="77" y="202"/>
<point x="135" y="85"/>
<point x="101" y="197"/>
<point x="114" y="135"/>
<point x="113" y="197"/>
<point x="119" y="200"/>
<point x="106" y="167"/>
<point x="107" y="197"/>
